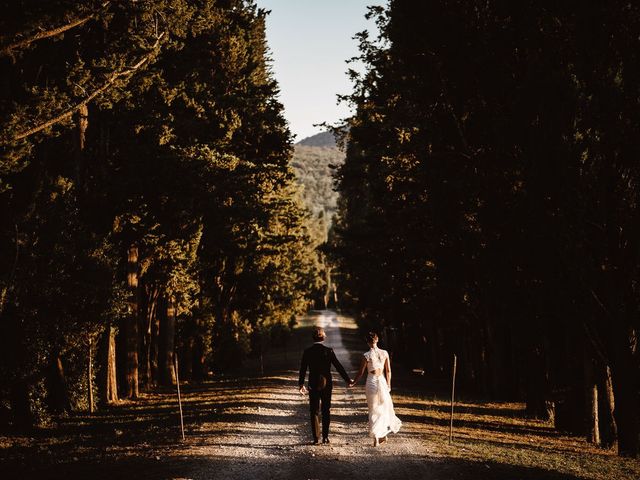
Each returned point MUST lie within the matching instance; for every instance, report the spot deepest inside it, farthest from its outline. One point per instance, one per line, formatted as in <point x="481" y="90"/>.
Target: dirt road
<point x="273" y="440"/>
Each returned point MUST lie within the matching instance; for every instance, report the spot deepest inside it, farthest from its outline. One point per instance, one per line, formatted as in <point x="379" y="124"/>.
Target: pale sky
<point x="310" y="40"/>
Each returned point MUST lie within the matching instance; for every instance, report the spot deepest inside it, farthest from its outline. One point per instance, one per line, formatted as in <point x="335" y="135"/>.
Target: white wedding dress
<point x="382" y="417"/>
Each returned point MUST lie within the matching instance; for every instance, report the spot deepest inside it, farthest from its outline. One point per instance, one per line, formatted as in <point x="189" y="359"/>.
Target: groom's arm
<point x="303" y="369"/>
<point x="340" y="368"/>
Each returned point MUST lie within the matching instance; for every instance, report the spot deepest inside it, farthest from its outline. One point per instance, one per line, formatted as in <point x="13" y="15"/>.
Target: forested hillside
<point x="147" y="199"/>
<point x="322" y="139"/>
<point x="490" y="202"/>
<point x="314" y="162"/>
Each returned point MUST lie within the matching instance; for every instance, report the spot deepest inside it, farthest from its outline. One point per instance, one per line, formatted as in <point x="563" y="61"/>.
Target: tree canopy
<point x="489" y="200"/>
<point x="147" y="198"/>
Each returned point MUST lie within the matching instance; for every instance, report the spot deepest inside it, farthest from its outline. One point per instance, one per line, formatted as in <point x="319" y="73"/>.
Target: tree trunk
<point x="148" y="309"/>
<point x="626" y="408"/>
<point x="81" y="118"/>
<point x="167" y="344"/>
<point x="591" y="392"/>
<point x="594" y="421"/>
<point x="111" y="386"/>
<point x="609" y="429"/>
<point x="145" y="361"/>
<point x="131" y="325"/>
<point x="107" y="378"/>
<point x="57" y="391"/>
<point x="90" y="377"/>
<point x="155" y="338"/>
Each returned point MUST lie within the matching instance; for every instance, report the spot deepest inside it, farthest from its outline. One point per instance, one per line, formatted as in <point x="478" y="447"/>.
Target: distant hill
<point x="322" y="139"/>
<point x="312" y="161"/>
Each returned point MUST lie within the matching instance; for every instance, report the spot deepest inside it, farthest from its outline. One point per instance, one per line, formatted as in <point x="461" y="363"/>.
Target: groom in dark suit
<point x="319" y="359"/>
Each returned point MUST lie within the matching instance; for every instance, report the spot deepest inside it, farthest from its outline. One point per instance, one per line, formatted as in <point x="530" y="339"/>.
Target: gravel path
<point x="273" y="438"/>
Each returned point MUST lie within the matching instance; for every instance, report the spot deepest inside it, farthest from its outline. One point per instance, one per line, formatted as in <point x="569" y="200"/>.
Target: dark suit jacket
<point x="319" y="359"/>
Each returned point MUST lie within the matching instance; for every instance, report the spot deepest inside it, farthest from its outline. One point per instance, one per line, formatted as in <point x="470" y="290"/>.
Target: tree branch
<point x="69" y="112"/>
<point x="39" y="36"/>
<point x="47" y="34"/>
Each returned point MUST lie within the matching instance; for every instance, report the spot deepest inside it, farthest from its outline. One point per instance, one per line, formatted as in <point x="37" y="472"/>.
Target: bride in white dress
<point x="382" y="418"/>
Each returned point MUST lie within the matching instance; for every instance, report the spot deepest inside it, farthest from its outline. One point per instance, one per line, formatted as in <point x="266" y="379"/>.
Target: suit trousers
<point x="320" y="400"/>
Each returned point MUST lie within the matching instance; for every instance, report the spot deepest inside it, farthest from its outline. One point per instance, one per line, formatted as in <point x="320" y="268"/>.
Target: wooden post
<point x="90" y="378"/>
<point x="453" y="393"/>
<point x="175" y="371"/>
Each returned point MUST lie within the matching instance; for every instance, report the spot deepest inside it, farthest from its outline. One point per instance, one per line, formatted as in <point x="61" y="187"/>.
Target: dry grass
<point x="499" y="433"/>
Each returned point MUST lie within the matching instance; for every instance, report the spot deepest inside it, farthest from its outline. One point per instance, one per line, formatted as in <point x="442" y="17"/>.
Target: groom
<point x="319" y="359"/>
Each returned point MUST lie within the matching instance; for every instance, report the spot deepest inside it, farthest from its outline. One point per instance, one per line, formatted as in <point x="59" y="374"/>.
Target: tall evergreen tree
<point x="483" y="171"/>
<point x="151" y="132"/>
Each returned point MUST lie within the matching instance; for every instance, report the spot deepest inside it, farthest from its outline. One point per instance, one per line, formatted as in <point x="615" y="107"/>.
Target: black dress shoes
<point x="325" y="440"/>
<point x="315" y="442"/>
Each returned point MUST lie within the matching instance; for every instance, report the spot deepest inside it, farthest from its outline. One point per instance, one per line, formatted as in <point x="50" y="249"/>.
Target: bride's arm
<point x="363" y="367"/>
<point x="387" y="371"/>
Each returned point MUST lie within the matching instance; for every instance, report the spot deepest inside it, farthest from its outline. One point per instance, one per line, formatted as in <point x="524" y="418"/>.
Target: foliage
<point x="489" y="196"/>
<point x="153" y="125"/>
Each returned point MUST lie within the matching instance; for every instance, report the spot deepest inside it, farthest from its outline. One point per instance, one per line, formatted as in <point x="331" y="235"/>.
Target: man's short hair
<point x="318" y="334"/>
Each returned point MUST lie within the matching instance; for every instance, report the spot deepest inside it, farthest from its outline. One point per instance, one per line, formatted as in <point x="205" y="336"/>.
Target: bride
<point x="382" y="418"/>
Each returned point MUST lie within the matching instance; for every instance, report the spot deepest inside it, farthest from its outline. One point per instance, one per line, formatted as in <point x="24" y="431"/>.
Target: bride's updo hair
<point x="371" y="337"/>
